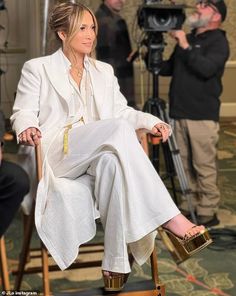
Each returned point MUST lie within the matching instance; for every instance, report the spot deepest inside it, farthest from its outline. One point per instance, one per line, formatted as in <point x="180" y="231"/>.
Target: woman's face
<point x="83" y="40"/>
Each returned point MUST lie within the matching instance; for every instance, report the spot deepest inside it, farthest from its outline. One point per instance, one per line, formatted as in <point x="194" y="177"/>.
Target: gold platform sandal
<point x="182" y="249"/>
<point x="114" y="282"/>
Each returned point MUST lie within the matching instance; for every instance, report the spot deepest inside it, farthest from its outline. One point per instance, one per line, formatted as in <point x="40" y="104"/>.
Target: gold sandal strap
<point x="186" y="237"/>
<point x="114" y="282"/>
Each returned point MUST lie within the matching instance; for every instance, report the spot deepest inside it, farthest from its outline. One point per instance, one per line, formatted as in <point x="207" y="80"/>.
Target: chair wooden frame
<point x="45" y="268"/>
<point x="3" y="266"/>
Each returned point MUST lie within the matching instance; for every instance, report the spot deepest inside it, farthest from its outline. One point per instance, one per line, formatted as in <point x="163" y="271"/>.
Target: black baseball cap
<point x="221" y="7"/>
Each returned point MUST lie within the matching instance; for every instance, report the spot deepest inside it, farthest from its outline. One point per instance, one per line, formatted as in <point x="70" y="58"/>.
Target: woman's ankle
<point x="180" y="226"/>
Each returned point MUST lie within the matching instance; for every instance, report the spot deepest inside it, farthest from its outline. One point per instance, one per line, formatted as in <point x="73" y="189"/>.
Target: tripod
<point x="157" y="107"/>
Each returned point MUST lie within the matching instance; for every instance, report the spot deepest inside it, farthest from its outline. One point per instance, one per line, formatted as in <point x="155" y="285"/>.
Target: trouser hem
<point x="116" y="264"/>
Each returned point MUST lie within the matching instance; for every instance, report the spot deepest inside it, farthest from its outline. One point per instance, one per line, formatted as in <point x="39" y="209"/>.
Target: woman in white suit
<point x="73" y="104"/>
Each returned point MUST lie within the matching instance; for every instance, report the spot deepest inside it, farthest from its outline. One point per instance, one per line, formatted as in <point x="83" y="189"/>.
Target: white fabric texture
<point x="105" y="169"/>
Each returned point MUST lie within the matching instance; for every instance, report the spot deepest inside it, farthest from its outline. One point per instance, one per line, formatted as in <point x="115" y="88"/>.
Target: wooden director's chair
<point x="5" y="282"/>
<point x="156" y="290"/>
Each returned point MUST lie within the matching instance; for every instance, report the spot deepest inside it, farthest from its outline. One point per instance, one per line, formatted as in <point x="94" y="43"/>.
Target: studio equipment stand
<point x="157" y="106"/>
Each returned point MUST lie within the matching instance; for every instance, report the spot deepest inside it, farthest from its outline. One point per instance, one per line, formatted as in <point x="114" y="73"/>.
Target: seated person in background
<point x="14" y="185"/>
<point x="71" y="103"/>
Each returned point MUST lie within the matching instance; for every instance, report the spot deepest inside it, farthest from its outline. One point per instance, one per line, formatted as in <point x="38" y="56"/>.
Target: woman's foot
<point x="114" y="281"/>
<point x="182" y="227"/>
<point x="183" y="238"/>
<point x="111" y="274"/>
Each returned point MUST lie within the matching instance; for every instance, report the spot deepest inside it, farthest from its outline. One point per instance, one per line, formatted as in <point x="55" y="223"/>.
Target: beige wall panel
<point x="10" y="79"/>
<point x="229" y="83"/>
<point x="22" y="33"/>
<point x="228" y="98"/>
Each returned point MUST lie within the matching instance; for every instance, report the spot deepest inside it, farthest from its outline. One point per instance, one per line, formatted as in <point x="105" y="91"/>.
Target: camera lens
<point x="162" y="19"/>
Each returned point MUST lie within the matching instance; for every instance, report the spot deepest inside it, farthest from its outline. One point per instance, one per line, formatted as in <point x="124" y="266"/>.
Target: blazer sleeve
<point x="26" y="106"/>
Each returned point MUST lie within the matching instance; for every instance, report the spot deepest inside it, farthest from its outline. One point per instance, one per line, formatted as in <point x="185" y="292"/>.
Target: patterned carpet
<point x="212" y="272"/>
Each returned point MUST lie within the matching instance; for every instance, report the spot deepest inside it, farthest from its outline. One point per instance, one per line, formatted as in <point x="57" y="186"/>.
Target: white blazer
<point x="44" y="95"/>
<point x="43" y="101"/>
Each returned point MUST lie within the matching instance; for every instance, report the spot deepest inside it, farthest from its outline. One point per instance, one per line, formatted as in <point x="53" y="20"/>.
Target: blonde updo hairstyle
<point x="67" y="17"/>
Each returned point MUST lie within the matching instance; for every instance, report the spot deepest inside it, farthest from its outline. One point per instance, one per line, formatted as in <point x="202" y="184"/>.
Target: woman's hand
<point x="162" y="130"/>
<point x="30" y="136"/>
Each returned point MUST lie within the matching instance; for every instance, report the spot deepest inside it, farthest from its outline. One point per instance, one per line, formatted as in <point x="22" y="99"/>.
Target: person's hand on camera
<point x="30" y="136"/>
<point x="162" y="130"/>
<point x="180" y="36"/>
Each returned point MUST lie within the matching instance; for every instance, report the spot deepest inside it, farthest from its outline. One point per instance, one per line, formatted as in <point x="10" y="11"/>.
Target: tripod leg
<point x="149" y="107"/>
<point x="173" y="162"/>
<point x="170" y="169"/>
<point x="152" y="106"/>
<point x="179" y="168"/>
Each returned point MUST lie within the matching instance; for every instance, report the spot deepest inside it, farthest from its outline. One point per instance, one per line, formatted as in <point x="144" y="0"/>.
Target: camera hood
<point x="156" y="17"/>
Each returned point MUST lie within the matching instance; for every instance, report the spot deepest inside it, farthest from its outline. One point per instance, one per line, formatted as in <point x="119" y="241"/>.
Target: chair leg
<point x="154" y="267"/>
<point x="45" y="267"/>
<point x="25" y="249"/>
<point x="3" y="265"/>
<point x="28" y="230"/>
<point x="159" y="286"/>
<point x="44" y="252"/>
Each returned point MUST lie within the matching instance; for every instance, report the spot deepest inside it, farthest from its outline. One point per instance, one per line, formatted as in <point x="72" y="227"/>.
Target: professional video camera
<point x="154" y="16"/>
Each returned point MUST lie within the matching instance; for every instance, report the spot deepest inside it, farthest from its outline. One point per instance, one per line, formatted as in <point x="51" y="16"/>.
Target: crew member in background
<point x="114" y="47"/>
<point x="197" y="65"/>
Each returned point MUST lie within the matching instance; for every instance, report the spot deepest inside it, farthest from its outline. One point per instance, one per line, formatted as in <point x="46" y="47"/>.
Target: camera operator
<point x="196" y="66"/>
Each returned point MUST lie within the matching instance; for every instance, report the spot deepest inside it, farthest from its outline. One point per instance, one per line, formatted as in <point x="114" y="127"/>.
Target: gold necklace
<point x="79" y="71"/>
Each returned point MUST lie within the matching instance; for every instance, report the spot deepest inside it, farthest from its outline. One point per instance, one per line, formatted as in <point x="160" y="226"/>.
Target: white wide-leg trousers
<point x="131" y="198"/>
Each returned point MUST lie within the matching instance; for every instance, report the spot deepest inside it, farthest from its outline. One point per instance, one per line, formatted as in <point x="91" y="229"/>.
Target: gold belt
<point x="66" y="134"/>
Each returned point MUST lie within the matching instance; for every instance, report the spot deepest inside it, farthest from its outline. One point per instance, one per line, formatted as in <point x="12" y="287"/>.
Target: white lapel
<point x="98" y="82"/>
<point x="58" y="75"/>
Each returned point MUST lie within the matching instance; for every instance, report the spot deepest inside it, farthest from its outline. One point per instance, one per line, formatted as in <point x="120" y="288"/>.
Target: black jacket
<point x="196" y="85"/>
<point x="114" y="47"/>
<point x="113" y="43"/>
